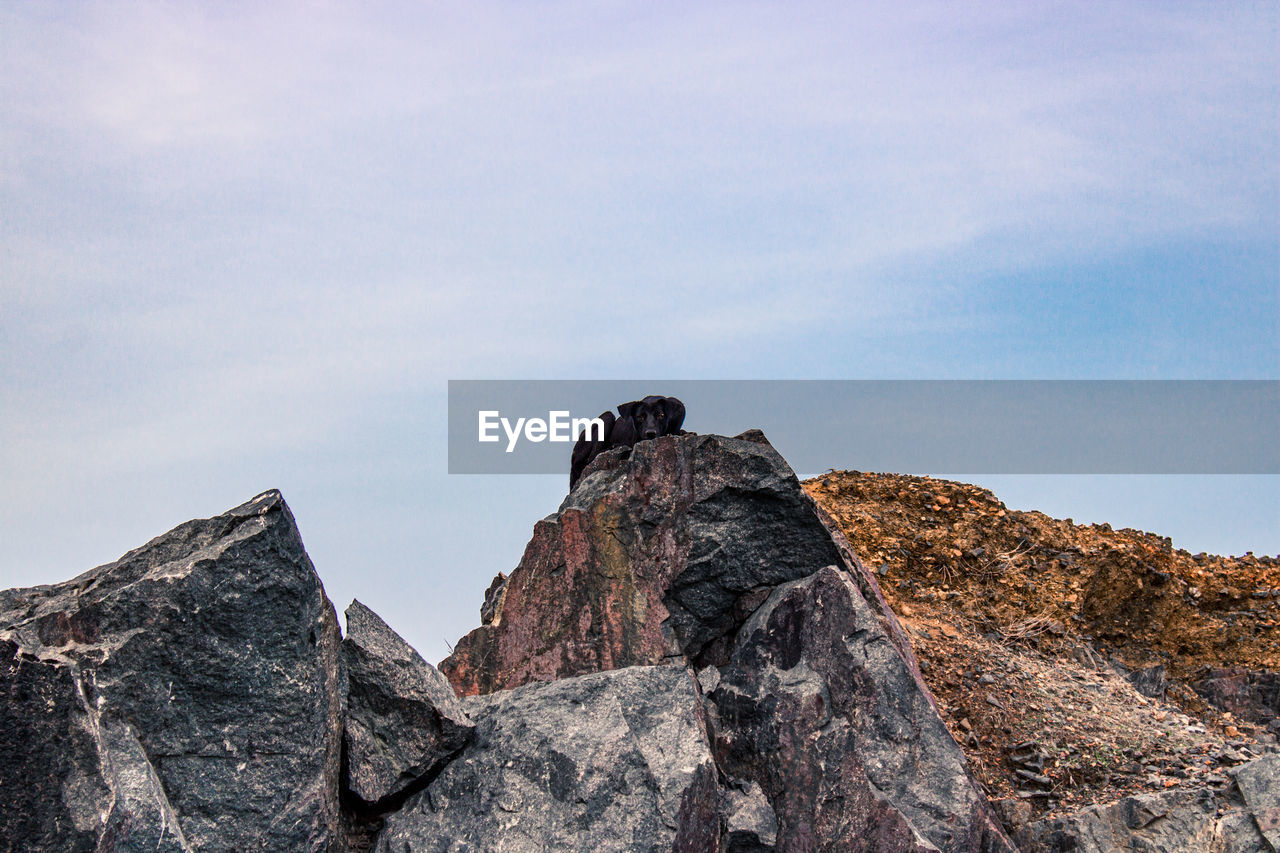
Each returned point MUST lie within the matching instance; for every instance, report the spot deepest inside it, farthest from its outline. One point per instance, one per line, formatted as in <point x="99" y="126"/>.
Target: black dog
<point x="639" y="420"/>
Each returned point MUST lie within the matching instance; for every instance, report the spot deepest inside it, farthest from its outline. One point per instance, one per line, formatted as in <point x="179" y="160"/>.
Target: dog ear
<point x="624" y="409"/>
<point x="675" y="415"/>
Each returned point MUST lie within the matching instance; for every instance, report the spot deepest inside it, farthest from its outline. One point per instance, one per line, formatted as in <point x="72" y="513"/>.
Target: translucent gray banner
<point x="905" y="426"/>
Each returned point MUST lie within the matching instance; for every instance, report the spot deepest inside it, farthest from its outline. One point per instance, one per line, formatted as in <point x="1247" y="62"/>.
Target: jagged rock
<point x="818" y="706"/>
<point x="185" y="697"/>
<point x="403" y="718"/>
<point x="1178" y="821"/>
<point x="659" y="552"/>
<point x="74" y="778"/>
<point x="1250" y="694"/>
<point x="750" y="826"/>
<point x="615" y="761"/>
<point x="1259" y="784"/>
<point x="1150" y="681"/>
<point x="704" y="550"/>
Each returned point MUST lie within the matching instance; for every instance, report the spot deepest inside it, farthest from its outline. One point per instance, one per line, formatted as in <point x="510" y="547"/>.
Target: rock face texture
<point x="185" y="697"/>
<point x="656" y="555"/>
<point x="704" y="551"/>
<point x="1250" y="694"/>
<point x="689" y="658"/>
<point x="403" y="719"/>
<point x="605" y="763"/>
<point x="1185" y="821"/>
<point x="818" y="707"/>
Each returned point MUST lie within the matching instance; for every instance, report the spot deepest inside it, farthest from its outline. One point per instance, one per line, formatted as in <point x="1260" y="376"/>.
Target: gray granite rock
<point x="1259" y="784"/>
<point x="750" y="826"/>
<point x="1194" y="820"/>
<point x="74" y="779"/>
<point x="604" y="763"/>
<point x="403" y="718"/>
<point x="186" y="696"/>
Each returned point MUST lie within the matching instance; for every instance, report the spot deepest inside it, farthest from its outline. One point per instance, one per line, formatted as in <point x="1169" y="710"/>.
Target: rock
<point x="614" y="761"/>
<point x="1014" y="813"/>
<point x="659" y="552"/>
<point x="74" y="778"/>
<point x="403" y="718"/>
<point x="750" y="826"/>
<point x="1249" y="694"/>
<point x="185" y="697"/>
<point x="704" y="551"/>
<point x="1175" y="821"/>
<point x="1259" y="784"/>
<point x="1150" y="681"/>
<point x="818" y="707"/>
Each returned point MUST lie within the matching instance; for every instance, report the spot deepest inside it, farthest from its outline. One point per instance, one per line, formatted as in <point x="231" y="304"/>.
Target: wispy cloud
<point x="233" y="225"/>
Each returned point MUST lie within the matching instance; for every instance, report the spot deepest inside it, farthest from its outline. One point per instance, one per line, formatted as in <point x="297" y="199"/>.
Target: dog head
<point x="654" y="416"/>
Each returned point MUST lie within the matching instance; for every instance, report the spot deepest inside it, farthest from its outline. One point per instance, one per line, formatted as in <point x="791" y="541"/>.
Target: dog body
<point x="639" y="420"/>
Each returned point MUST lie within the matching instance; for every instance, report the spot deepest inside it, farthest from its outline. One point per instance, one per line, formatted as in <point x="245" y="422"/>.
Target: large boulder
<point x="403" y="719"/>
<point x="818" y="707"/>
<point x="1188" y="820"/>
<point x="615" y="762"/>
<point x="1249" y="694"/>
<point x="185" y="697"/>
<point x="705" y="552"/>
<point x="657" y="554"/>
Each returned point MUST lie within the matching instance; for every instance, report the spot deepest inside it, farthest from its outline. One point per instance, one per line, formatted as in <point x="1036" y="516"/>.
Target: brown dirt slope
<point x="1020" y="619"/>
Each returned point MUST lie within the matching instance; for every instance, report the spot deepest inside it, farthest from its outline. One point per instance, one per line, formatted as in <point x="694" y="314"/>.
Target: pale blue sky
<point x="245" y="246"/>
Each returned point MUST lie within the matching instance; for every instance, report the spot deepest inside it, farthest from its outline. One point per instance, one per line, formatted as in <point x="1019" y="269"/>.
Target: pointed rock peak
<point x="660" y="551"/>
<point x="404" y="722"/>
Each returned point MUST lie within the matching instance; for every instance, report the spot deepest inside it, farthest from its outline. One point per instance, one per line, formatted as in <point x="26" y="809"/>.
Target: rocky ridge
<point x="689" y="657"/>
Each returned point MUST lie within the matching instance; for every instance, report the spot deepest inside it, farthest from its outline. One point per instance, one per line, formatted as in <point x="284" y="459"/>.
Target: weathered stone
<point x="818" y="706"/>
<point x="403" y="718"/>
<point x="750" y="826"/>
<point x="74" y="779"/>
<point x="1259" y="784"/>
<point x="615" y="761"/>
<point x="1178" y="821"/>
<point x="1149" y="681"/>
<point x="660" y="551"/>
<point x="196" y="678"/>
<point x="1250" y="694"/>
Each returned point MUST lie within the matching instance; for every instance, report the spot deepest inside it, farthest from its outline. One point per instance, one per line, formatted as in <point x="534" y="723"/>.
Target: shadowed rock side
<point x="403" y="719"/>
<point x="185" y="697"/>
<point x="704" y="550"/>
<point x="615" y="762"/>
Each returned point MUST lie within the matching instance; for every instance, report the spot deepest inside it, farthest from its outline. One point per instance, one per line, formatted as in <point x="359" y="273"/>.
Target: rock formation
<point x="403" y="720"/>
<point x="185" y="697"/>
<point x="703" y="551"/>
<point x="688" y="657"/>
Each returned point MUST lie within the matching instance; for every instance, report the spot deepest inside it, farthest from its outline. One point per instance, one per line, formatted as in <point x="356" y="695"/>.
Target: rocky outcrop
<point x="1242" y="819"/>
<point x="185" y="697"/>
<point x="817" y="706"/>
<point x="605" y="763"/>
<point x="403" y="720"/>
<point x="688" y="658"/>
<point x="658" y="554"/>
<point x="704" y="551"/>
<point x="1250" y="694"/>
